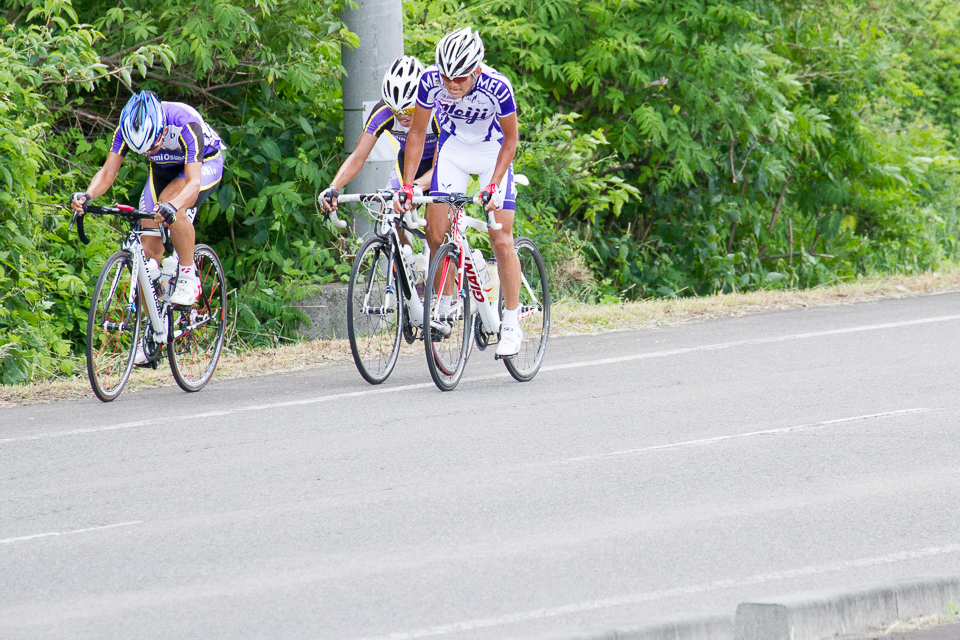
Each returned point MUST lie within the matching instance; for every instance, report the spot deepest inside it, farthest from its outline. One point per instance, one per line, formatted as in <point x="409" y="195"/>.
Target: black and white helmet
<point x="399" y="88"/>
<point x="459" y="53"/>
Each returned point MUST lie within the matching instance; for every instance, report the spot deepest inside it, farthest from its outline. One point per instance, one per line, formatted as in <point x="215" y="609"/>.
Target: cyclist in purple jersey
<point x="392" y="115"/>
<point x="186" y="164"/>
<point x="475" y="107"/>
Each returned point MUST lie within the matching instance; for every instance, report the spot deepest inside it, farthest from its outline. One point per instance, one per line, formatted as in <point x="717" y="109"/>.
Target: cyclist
<point x="477" y="113"/>
<point x="186" y="164"/>
<point x="391" y="115"/>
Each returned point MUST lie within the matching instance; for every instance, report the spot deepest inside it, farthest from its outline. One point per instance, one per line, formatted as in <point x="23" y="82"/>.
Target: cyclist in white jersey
<point x="475" y="108"/>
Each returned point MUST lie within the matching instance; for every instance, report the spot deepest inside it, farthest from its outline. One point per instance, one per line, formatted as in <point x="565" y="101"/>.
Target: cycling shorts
<point x="425" y="165"/>
<point x="162" y="175"/>
<point x="457" y="161"/>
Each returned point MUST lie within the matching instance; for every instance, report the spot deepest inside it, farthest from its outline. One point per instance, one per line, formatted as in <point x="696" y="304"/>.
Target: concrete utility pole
<point x="379" y="25"/>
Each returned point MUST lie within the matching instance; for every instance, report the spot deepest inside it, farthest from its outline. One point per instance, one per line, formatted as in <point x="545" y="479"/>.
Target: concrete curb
<point x="824" y="614"/>
<point x="326" y="309"/>
<point x="813" y="615"/>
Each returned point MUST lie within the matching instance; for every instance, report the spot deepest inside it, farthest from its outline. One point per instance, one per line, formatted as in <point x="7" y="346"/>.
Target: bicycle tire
<point x="196" y="337"/>
<point x="113" y="326"/>
<point x="446" y="354"/>
<point x="534" y="312"/>
<point x="374" y="323"/>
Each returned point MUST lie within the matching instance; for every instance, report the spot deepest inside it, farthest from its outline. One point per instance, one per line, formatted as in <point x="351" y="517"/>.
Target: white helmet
<point x="142" y="121"/>
<point x="399" y="88"/>
<point x="459" y="53"/>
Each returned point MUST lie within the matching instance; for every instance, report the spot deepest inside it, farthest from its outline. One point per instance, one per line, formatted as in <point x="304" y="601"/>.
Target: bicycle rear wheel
<point x="446" y="337"/>
<point x="534" y="312"/>
<point x="374" y="311"/>
<point x="196" y="336"/>
<point x="113" y="326"/>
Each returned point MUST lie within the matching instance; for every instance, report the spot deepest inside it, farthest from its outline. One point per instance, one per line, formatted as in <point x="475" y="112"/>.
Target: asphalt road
<point x="640" y="475"/>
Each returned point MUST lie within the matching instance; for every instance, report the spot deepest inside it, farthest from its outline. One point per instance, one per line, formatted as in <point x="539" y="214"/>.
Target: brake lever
<point x="77" y="218"/>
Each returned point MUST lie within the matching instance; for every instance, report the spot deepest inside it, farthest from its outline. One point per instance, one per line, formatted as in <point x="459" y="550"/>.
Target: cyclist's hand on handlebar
<point x="166" y="213"/>
<point x="491" y="197"/>
<point x="328" y="198"/>
<point x="79" y="202"/>
<point x="404" y="201"/>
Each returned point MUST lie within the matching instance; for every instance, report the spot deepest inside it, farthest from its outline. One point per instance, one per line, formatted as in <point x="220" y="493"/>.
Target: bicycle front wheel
<point x="534" y="312"/>
<point x="374" y="311"/>
<point x="447" y="333"/>
<point x="113" y="326"/>
<point x="196" y="336"/>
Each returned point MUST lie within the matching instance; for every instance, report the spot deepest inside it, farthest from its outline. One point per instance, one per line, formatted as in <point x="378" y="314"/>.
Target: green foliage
<point x="760" y="143"/>
<point x="675" y="147"/>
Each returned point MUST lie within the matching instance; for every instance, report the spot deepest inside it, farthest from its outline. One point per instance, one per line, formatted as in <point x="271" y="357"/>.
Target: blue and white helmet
<point x="459" y="53"/>
<point x="142" y="121"/>
<point x="399" y="88"/>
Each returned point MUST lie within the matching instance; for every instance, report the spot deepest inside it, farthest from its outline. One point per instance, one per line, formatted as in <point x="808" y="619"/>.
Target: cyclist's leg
<point x="157" y="180"/>
<point x="163" y="184"/>
<point x="508" y="265"/>
<point x="448" y="177"/>
<point x="183" y="236"/>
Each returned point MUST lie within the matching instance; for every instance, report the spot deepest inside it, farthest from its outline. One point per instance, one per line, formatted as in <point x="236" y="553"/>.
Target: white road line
<point x="720" y="585"/>
<point x="766" y="432"/>
<point x="744" y="343"/>
<point x="427" y="385"/>
<point x="67" y="533"/>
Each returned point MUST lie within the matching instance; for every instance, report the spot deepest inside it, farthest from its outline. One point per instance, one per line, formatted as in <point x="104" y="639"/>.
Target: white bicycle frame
<point x="155" y="307"/>
<point x="387" y="223"/>
<point x="487" y="309"/>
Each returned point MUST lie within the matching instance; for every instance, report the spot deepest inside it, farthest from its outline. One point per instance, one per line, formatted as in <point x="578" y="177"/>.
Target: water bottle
<point x="407" y="252"/>
<point x="480" y="265"/>
<point x="153" y="270"/>
<point x="422" y="265"/>
<point x="492" y="288"/>
<point x="168" y="274"/>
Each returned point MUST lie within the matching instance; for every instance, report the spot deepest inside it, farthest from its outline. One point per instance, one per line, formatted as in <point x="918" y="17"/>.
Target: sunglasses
<point x="457" y="80"/>
<point x="406" y="112"/>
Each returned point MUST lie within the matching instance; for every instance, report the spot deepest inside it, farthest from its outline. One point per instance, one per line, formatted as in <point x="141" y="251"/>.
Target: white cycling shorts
<point x="457" y="161"/>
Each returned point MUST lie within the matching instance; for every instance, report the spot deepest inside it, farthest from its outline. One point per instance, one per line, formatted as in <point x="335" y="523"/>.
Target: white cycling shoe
<point x="187" y="291"/>
<point x="510" y="340"/>
<point x="140" y="358"/>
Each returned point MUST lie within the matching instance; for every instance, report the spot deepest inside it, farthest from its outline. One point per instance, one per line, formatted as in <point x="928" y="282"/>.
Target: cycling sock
<point x="511" y="317"/>
<point x="445" y="302"/>
<point x="188" y="270"/>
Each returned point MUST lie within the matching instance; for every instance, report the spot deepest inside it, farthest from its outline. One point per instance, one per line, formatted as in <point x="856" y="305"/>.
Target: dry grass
<point x="568" y="318"/>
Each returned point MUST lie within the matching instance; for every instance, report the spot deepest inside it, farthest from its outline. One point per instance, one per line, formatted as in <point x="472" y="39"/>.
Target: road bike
<point x="386" y="282"/>
<point x="129" y="309"/>
<point x="477" y="317"/>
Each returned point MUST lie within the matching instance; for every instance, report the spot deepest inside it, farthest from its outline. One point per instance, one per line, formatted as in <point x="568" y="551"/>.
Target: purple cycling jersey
<point x="381" y="119"/>
<point x="187" y="139"/>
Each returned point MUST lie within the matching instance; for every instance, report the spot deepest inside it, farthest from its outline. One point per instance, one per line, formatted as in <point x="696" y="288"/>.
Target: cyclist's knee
<point x="501" y="241"/>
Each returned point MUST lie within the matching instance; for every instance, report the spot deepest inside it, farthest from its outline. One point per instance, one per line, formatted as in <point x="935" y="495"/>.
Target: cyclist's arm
<point x="508" y="149"/>
<point x="188" y="195"/>
<point x="104" y="178"/>
<point x="352" y="165"/>
<point x="415" y="137"/>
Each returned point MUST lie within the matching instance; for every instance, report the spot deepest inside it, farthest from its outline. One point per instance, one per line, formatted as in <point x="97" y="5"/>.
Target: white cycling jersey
<point x="475" y="117"/>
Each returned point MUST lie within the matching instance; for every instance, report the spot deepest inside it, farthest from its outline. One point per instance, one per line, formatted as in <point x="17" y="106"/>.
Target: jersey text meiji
<point x="476" y="116"/>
